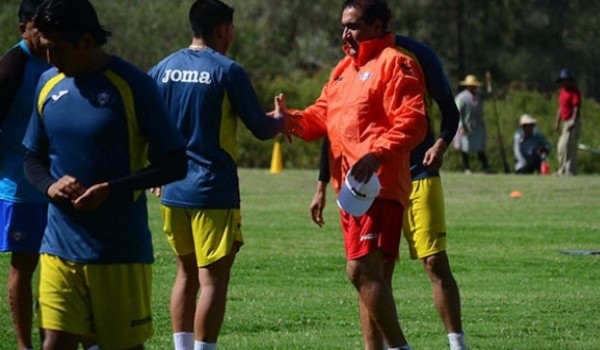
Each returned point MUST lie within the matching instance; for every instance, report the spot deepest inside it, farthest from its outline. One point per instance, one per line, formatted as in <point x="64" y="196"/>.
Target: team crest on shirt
<point x="365" y="76"/>
<point x="103" y="98"/>
<point x="17" y="235"/>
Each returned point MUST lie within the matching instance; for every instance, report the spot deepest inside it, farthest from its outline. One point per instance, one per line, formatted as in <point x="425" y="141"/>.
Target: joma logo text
<point x="186" y="76"/>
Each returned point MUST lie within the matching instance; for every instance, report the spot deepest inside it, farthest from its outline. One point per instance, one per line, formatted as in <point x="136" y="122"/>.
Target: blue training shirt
<point x="440" y="91"/>
<point x="21" y="72"/>
<point x="96" y="128"/>
<point x="205" y="93"/>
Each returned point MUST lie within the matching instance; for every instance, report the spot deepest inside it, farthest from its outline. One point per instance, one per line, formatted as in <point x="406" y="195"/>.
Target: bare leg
<point x="184" y="294"/>
<point x="20" y="296"/>
<point x="373" y="339"/>
<point x="366" y="274"/>
<point x="446" y="296"/>
<point x="210" y="310"/>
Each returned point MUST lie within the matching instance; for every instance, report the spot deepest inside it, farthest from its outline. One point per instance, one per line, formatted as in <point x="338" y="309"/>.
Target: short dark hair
<point x="372" y="10"/>
<point x="27" y="10"/>
<point x="206" y="15"/>
<point x="71" y="20"/>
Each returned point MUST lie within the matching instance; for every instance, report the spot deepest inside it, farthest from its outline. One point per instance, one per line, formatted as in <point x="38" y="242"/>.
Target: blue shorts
<point x="22" y="226"/>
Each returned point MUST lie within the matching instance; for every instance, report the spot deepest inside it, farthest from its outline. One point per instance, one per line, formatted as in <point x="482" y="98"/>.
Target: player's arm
<point x="37" y="171"/>
<point x="404" y="105"/>
<point x="317" y="205"/>
<point x="440" y="91"/>
<point x="12" y="68"/>
<point x="245" y="103"/>
<point x="434" y="156"/>
<point x="164" y="169"/>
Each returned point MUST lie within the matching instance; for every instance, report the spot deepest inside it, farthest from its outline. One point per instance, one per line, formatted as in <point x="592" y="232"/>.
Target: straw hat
<point x="527" y="119"/>
<point x="470" y="80"/>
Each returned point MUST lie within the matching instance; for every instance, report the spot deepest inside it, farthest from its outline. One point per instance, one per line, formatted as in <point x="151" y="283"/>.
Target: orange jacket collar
<point x="368" y="49"/>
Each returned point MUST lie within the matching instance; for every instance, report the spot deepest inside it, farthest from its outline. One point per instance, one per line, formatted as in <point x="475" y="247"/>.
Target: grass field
<point x="289" y="289"/>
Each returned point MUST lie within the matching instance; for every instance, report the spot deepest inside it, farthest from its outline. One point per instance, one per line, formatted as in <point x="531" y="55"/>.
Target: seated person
<point x="530" y="146"/>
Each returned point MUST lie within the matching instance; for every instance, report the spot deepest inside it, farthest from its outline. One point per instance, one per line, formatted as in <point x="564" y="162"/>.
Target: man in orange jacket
<point x="372" y="110"/>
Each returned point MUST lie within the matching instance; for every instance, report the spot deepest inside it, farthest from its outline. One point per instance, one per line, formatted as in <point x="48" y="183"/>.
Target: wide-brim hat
<point x="527" y="119"/>
<point x="564" y="74"/>
<point x="355" y="197"/>
<point x="470" y="80"/>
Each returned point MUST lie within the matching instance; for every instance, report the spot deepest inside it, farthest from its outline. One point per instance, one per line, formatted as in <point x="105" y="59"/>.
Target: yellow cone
<point x="276" y="159"/>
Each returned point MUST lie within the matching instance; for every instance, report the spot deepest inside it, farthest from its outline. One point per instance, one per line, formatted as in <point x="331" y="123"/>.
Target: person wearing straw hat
<point x="569" y="114"/>
<point x="471" y="136"/>
<point x="530" y="147"/>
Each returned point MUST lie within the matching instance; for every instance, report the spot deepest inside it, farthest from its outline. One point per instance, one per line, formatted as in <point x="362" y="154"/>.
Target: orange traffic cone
<point x="276" y="159"/>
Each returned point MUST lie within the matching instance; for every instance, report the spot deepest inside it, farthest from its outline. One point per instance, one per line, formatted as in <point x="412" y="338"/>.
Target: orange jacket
<point x="371" y="103"/>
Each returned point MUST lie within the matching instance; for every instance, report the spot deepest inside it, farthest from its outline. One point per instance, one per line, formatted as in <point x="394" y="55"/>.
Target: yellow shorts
<point x="425" y="218"/>
<point x="109" y="303"/>
<point x="209" y="233"/>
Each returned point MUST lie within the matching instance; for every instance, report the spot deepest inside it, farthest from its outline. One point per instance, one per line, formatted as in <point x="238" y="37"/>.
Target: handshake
<point x="291" y="122"/>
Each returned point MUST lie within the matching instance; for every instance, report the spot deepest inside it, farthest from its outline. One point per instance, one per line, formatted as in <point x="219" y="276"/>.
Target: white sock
<point x="405" y="347"/>
<point x="183" y="340"/>
<point x="94" y="347"/>
<point x="457" y="341"/>
<point x="200" y="345"/>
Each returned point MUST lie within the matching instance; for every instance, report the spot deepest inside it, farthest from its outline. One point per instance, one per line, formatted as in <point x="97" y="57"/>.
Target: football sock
<point x="200" y="345"/>
<point x="405" y="347"/>
<point x="183" y="340"/>
<point x="457" y="341"/>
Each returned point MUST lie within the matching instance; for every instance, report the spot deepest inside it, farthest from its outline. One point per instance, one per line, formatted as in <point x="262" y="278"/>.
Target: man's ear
<point x="221" y="31"/>
<point x="22" y="27"/>
<point x="87" y="41"/>
<point x="378" y="26"/>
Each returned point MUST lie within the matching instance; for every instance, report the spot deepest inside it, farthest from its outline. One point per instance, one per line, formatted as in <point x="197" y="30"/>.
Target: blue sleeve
<point x="35" y="139"/>
<point x="437" y="84"/>
<point x="166" y="149"/>
<point x="245" y="103"/>
<point x="154" y="122"/>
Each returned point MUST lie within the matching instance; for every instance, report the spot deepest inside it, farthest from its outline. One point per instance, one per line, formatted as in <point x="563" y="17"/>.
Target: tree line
<point x="291" y="45"/>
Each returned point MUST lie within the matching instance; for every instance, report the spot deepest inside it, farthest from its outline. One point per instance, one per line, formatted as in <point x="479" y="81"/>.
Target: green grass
<point x="289" y="289"/>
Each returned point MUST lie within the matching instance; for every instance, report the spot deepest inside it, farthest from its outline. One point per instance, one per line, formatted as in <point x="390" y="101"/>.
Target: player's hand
<point x="364" y="168"/>
<point x="93" y="197"/>
<point x="291" y="126"/>
<point x="66" y="188"/>
<point x="434" y="157"/>
<point x="317" y="205"/>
